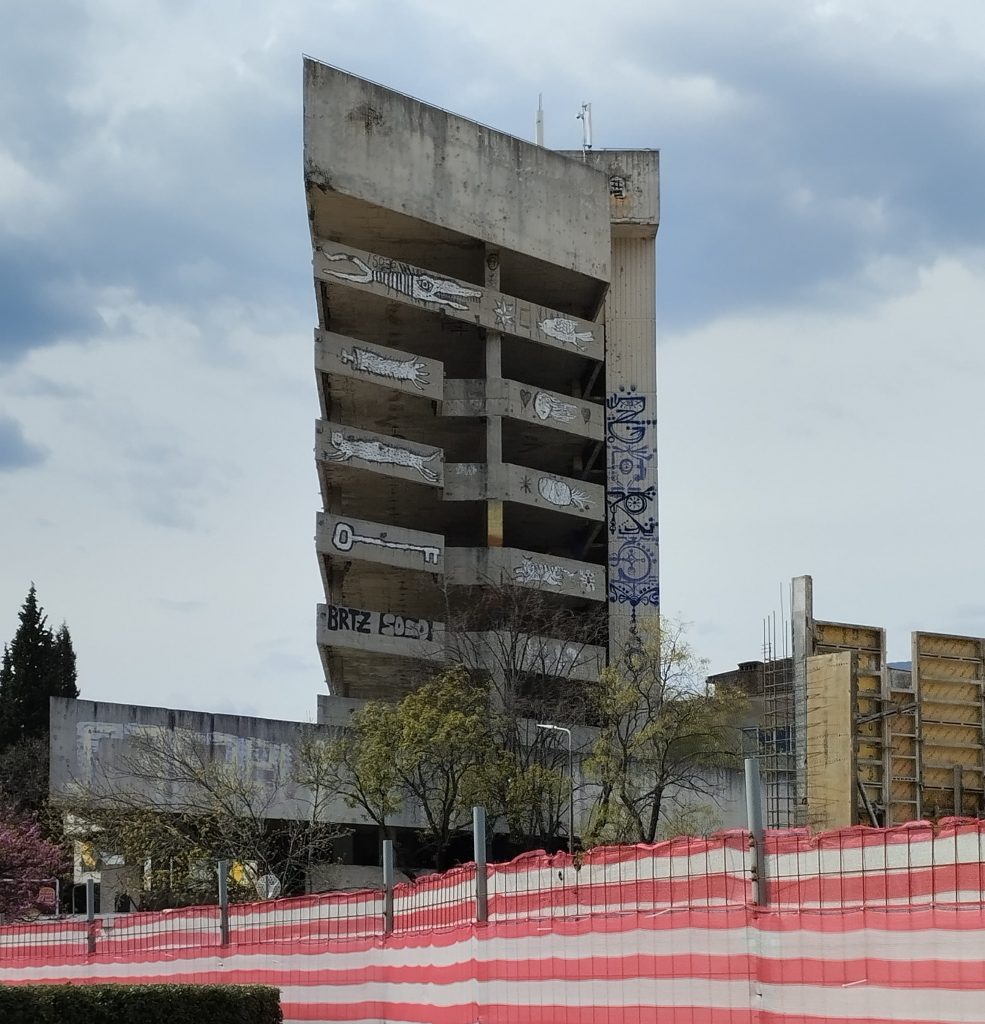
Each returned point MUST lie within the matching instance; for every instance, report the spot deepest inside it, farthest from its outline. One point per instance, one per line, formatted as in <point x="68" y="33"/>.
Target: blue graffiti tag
<point x="631" y="500"/>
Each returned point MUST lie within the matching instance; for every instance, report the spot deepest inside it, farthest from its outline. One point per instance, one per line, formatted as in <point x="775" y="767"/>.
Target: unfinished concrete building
<point x="485" y="359"/>
<point x="865" y="741"/>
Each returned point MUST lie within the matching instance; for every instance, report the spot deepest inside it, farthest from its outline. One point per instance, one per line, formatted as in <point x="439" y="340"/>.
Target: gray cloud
<point x="16" y="452"/>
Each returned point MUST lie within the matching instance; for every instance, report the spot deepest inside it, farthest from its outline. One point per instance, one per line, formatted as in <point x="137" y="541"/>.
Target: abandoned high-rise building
<point x="485" y="357"/>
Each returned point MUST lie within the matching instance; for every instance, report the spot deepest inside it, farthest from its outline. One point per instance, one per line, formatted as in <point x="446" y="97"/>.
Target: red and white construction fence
<point x="862" y="925"/>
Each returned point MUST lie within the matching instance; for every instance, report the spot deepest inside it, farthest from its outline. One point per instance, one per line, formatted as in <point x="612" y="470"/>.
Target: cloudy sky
<point x="822" y="300"/>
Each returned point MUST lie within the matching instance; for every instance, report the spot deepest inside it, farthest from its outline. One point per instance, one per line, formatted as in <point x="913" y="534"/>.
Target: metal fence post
<point x="388" y="883"/>
<point x="754" y="817"/>
<point x="90" y="916"/>
<point x="481" y="875"/>
<point x="223" y="869"/>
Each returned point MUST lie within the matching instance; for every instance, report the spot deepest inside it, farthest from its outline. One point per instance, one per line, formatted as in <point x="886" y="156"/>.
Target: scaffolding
<point x="777" y="755"/>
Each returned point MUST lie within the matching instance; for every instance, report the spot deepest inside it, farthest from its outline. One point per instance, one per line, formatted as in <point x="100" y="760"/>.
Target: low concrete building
<point x="96" y="748"/>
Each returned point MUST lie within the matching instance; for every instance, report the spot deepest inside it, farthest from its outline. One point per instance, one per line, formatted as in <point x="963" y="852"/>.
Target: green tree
<point x="37" y="664"/>
<point x="432" y="752"/>
<point x="664" y="737"/>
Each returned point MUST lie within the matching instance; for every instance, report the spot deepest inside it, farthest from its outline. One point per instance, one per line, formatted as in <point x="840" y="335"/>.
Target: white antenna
<point x="540" y="119"/>
<point x="586" y="128"/>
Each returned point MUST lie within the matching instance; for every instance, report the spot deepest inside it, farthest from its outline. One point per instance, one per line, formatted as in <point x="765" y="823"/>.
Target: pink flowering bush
<point x="28" y="862"/>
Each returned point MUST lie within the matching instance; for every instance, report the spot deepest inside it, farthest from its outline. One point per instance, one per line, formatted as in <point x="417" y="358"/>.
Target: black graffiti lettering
<point x="349" y="619"/>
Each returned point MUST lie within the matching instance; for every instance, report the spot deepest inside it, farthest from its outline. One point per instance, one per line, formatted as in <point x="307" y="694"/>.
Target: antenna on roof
<point x="586" y="128"/>
<point x="540" y="119"/>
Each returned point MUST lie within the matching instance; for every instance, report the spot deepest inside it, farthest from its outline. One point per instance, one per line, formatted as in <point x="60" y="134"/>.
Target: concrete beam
<point x="379" y="453"/>
<point x="379" y="632"/>
<point x="389" y="367"/>
<point x="472" y="481"/>
<point x="340" y="264"/>
<point x="550" y="491"/>
<point x="476" y="566"/>
<point x="520" y="401"/>
<point x="360" y="540"/>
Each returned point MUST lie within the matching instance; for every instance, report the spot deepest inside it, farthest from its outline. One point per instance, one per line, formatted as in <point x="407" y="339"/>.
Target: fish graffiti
<point x="565" y="331"/>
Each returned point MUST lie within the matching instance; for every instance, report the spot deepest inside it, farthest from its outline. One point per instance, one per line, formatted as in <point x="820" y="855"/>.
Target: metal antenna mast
<point x="540" y="119"/>
<point x="586" y="128"/>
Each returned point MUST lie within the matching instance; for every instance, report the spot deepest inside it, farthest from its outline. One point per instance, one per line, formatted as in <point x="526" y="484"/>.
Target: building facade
<point x="485" y="360"/>
<point x="850" y="738"/>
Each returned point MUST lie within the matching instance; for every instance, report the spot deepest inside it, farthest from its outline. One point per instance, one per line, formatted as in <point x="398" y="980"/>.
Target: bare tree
<point x="537" y="655"/>
<point x="174" y="798"/>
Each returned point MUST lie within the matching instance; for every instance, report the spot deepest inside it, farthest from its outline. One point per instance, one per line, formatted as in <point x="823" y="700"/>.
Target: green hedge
<point x="140" y="1004"/>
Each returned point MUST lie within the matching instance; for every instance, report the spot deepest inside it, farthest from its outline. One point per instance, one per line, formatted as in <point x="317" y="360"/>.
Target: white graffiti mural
<point x="565" y="331"/>
<point x="405" y="279"/>
<point x="346" y="448"/>
<point x="550" y="575"/>
<point x="344" y="538"/>
<point x="504" y="312"/>
<point x="547" y="407"/>
<point x="366" y="361"/>
<point x="562" y="494"/>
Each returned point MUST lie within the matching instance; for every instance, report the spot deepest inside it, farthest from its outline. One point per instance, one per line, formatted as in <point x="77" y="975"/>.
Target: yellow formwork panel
<point x="831" y="767"/>
<point x="949" y="676"/>
<point x="868" y="644"/>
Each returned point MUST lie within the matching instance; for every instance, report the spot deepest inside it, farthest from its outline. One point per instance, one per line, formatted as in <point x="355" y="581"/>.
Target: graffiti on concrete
<point x="631" y="501"/>
<point x="562" y="494"/>
<point x="548" y="407"/>
<point x="504" y="312"/>
<point x="341" y="619"/>
<point x="347" y="447"/>
<point x="344" y="537"/>
<point x="550" y="575"/>
<point x="366" y="361"/>
<point x="405" y="279"/>
<point x="565" y="331"/>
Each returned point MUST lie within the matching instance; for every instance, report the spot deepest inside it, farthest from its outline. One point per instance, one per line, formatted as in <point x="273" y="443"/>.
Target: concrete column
<point x="494" y="424"/>
<point x="631" y="436"/>
<point x="802" y="630"/>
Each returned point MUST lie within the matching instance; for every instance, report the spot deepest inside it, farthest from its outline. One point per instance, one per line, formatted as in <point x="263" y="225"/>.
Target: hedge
<point x="139" y="1004"/>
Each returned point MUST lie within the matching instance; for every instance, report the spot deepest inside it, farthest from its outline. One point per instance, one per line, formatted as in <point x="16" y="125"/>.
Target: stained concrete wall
<point x="92" y="742"/>
<point x="385" y="148"/>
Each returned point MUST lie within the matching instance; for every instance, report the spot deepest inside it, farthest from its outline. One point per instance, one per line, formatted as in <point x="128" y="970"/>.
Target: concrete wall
<point x="91" y="743"/>
<point x="384" y="148"/>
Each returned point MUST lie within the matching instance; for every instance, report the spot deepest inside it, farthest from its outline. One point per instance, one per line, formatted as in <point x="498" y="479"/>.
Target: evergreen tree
<point x="37" y="664"/>
<point x="65" y="664"/>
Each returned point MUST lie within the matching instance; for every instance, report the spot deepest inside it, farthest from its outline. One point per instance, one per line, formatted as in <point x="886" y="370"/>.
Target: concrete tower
<point x="485" y="358"/>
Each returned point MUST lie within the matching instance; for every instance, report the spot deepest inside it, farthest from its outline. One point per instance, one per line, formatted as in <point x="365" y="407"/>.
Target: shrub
<point x="139" y="1004"/>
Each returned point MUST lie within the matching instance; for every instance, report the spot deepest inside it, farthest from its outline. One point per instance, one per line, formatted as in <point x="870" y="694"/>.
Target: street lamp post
<point x="571" y="782"/>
